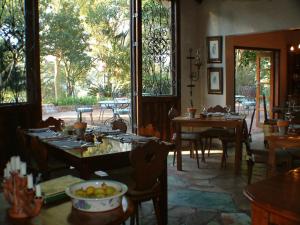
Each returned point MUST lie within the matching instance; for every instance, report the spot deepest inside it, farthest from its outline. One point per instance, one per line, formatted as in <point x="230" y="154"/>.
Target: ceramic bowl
<point x="96" y="204"/>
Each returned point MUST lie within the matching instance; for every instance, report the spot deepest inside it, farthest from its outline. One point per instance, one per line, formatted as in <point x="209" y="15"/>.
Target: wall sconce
<point x="292" y="48"/>
<point x="195" y="61"/>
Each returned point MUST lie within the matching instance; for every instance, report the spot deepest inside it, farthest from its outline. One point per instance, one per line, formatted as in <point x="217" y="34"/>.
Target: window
<point x="12" y="52"/>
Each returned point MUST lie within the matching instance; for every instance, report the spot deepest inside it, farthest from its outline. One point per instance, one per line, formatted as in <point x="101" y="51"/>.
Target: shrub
<point x="88" y="100"/>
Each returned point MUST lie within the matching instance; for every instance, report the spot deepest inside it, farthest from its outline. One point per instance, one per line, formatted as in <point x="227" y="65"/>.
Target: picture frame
<point x="214" y="49"/>
<point x="215" y="80"/>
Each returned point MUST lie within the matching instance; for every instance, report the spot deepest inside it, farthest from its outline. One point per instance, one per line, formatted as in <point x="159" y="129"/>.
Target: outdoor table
<point x="115" y="105"/>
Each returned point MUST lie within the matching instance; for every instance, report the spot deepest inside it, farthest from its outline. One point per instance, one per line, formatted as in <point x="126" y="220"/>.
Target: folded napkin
<point x="38" y="130"/>
<point x="70" y="143"/>
<point x="234" y="117"/>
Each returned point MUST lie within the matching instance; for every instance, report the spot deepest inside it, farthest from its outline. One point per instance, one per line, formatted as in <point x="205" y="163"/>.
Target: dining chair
<point x="42" y="161"/>
<point x="215" y="132"/>
<point x="56" y="124"/>
<point x="193" y="137"/>
<point x="148" y="162"/>
<point x="118" y="124"/>
<point x="258" y="153"/>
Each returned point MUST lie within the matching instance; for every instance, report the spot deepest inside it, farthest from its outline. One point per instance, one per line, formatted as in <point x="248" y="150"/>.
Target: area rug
<point x="215" y="201"/>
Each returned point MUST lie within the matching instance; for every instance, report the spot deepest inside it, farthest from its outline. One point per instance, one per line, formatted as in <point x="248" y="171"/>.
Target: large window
<point x="157" y="48"/>
<point x="12" y="52"/>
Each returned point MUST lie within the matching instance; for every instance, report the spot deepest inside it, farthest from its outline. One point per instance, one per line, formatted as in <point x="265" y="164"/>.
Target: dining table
<point x="211" y="120"/>
<point x="111" y="152"/>
<point x="275" y="200"/>
<point x="62" y="213"/>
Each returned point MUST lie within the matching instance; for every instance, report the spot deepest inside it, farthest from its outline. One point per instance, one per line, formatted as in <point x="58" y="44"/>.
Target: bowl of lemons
<point x="96" y="195"/>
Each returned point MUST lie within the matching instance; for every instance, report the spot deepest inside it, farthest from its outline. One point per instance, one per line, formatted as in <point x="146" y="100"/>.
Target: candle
<point x="18" y="162"/>
<point x="8" y="167"/>
<point x="6" y="173"/>
<point x="29" y="181"/>
<point x="13" y="163"/>
<point x="38" y="191"/>
<point x="23" y="168"/>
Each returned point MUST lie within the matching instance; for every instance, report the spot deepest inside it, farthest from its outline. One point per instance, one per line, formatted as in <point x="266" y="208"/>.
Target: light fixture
<point x="292" y="48"/>
<point x="298" y="46"/>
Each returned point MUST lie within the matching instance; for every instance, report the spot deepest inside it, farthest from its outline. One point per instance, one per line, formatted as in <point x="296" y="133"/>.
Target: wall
<point x="229" y="17"/>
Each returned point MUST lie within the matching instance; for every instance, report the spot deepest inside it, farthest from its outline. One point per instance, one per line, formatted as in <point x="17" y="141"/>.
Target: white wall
<point x="228" y="17"/>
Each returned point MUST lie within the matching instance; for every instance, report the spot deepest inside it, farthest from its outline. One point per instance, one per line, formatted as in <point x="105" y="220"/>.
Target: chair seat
<point x="188" y="136"/>
<point x="84" y="109"/>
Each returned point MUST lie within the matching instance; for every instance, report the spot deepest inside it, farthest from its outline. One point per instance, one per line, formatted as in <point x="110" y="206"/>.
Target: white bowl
<point x="96" y="204"/>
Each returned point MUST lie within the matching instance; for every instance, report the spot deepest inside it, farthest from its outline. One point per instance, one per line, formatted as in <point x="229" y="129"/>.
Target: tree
<point x="12" y="52"/>
<point x="108" y="22"/>
<point x="63" y="36"/>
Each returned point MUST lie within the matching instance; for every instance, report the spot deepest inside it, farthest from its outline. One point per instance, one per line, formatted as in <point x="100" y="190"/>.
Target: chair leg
<point x="250" y="165"/>
<point x="197" y="156"/>
<point x="174" y="157"/>
<point x="157" y="210"/>
<point x="224" y="154"/>
<point x="202" y="151"/>
<point x="209" y="146"/>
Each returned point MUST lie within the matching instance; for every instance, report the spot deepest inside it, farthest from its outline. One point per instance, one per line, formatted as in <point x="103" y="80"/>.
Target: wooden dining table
<point x="111" y="153"/>
<point x="275" y="200"/>
<point x="62" y="213"/>
<point x="211" y="121"/>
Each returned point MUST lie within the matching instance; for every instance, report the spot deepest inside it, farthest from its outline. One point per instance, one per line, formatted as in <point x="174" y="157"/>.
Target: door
<point x="154" y="63"/>
<point x="264" y="84"/>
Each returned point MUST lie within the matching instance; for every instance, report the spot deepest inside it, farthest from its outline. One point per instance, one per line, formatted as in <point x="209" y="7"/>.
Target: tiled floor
<point x="209" y="195"/>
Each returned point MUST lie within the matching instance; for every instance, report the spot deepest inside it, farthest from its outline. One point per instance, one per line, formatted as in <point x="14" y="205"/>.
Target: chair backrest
<point x="148" y="162"/>
<point x="58" y="124"/>
<point x="251" y="122"/>
<point x="217" y="108"/>
<point x="265" y="109"/>
<point x="119" y="124"/>
<point x="23" y="144"/>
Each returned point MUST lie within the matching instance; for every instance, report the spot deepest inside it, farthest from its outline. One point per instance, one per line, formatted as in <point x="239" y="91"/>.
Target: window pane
<point x="156" y="40"/>
<point x="12" y="52"/>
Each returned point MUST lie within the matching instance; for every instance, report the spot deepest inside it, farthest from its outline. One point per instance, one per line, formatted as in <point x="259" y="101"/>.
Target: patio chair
<point x="84" y="109"/>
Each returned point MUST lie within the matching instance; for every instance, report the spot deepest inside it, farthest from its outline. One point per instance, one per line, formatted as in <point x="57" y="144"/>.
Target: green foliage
<point x="76" y="101"/>
<point x="12" y="52"/>
<point x="63" y="36"/>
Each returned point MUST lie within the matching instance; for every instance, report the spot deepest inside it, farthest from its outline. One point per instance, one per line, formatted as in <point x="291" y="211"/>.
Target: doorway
<point x="254" y="78"/>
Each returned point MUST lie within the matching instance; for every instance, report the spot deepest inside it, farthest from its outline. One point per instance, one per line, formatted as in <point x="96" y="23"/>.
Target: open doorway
<point x="254" y="79"/>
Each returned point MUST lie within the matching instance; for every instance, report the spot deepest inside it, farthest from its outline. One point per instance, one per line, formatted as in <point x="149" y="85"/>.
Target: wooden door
<point x="264" y="84"/>
<point x="149" y="56"/>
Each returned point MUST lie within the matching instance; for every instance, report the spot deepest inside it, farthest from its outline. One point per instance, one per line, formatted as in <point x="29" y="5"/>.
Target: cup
<point x="191" y="112"/>
<point x="282" y="126"/>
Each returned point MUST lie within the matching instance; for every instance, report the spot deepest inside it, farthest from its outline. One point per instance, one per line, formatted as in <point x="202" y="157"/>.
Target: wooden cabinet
<point x="293" y="73"/>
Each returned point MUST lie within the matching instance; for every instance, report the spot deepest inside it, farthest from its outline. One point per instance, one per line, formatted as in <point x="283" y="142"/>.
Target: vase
<point x="191" y="112"/>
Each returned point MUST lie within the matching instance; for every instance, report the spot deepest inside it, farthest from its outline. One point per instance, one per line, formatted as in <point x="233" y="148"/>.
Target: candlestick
<point x="23" y="168"/>
<point x="38" y="191"/>
<point x="29" y="181"/>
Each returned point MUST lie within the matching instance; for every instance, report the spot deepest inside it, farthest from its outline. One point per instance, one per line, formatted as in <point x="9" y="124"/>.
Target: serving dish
<point x="96" y="204"/>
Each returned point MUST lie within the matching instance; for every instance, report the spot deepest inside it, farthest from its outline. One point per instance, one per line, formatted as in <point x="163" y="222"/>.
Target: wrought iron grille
<point x="157" y="46"/>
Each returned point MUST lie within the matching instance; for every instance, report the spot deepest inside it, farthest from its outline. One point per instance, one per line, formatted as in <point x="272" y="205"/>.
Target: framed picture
<point x="215" y="80"/>
<point x="214" y="49"/>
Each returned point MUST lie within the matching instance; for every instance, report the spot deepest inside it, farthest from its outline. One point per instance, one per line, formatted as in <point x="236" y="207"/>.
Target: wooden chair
<point x="150" y="160"/>
<point x="216" y="132"/>
<point x="194" y="138"/>
<point x="41" y="161"/>
<point x="258" y="153"/>
<point x="56" y="124"/>
<point x="118" y="124"/>
<point x="23" y="145"/>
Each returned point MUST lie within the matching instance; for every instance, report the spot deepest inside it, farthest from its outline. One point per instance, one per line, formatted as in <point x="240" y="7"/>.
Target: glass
<point x="228" y="109"/>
